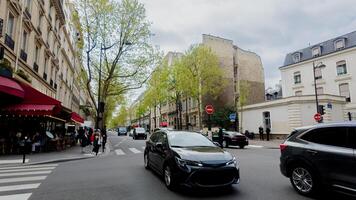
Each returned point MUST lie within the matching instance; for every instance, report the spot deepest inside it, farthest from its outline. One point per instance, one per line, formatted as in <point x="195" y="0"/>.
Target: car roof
<point x="328" y="124"/>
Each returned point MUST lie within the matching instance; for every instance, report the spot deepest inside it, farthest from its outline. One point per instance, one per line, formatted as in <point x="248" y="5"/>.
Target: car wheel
<point x="134" y="137"/>
<point x="168" y="178"/>
<point x="242" y="146"/>
<point x="225" y="144"/>
<point x="303" y="180"/>
<point x="146" y="161"/>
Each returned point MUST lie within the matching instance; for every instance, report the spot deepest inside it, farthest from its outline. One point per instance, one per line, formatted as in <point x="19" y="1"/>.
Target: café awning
<point x="11" y="87"/>
<point x="76" y="118"/>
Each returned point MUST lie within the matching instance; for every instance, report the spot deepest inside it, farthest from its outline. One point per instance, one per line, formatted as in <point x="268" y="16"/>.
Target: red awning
<point x="163" y="124"/>
<point x="76" y="118"/>
<point x="11" y="87"/>
<point x="34" y="103"/>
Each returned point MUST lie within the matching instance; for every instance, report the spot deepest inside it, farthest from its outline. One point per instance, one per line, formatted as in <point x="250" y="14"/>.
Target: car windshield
<point x="122" y="129"/>
<point x="188" y="139"/>
<point x="140" y="130"/>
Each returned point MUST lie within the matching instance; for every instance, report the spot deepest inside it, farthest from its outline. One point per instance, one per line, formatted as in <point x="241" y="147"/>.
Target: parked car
<point x="232" y="138"/>
<point x="321" y="155"/>
<point x="190" y="159"/>
<point x="139" y="133"/>
<point x="122" y="131"/>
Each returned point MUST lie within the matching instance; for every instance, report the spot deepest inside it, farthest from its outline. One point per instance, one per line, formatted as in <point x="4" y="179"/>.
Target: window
<point x="344" y="91"/>
<point x="298" y="93"/>
<point x="341" y="68"/>
<point x="10" y="25"/>
<point x="296" y="57"/>
<point x="24" y="41"/>
<point x="318" y="74"/>
<point x="339" y="44"/>
<point x="37" y="52"/>
<point x="333" y="136"/>
<point x="320" y="90"/>
<point x="316" y="51"/>
<point x="297" y="78"/>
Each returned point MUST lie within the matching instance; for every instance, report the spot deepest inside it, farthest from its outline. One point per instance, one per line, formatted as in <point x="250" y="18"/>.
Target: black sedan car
<point x="232" y="138"/>
<point x="190" y="159"/>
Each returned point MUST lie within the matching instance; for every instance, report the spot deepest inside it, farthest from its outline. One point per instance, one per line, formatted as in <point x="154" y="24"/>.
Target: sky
<point x="271" y="28"/>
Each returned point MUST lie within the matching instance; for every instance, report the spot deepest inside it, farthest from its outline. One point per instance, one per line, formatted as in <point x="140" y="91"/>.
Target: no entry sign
<point x="209" y="109"/>
<point x="317" y="117"/>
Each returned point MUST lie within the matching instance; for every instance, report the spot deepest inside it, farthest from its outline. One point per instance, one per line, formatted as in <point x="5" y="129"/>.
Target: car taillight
<point x="282" y="147"/>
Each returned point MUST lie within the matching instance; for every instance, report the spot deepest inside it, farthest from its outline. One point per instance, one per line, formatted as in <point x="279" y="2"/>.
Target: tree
<point x="244" y="88"/>
<point x="200" y="74"/>
<point x="118" y="54"/>
<point x="121" y="118"/>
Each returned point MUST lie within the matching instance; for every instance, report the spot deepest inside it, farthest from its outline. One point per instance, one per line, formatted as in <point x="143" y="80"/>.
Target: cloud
<point x="271" y="28"/>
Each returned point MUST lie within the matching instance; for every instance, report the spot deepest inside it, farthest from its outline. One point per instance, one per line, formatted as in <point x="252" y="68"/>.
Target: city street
<point x="121" y="175"/>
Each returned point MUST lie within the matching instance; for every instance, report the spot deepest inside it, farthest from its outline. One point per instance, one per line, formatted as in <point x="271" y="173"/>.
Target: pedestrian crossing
<point x="18" y="182"/>
<point x="121" y="152"/>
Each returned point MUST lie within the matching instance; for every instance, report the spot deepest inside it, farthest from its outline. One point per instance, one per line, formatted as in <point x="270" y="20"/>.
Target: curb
<point x="59" y="160"/>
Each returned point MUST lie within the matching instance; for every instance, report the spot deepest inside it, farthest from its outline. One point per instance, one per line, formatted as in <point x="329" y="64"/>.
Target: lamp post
<point x="319" y="65"/>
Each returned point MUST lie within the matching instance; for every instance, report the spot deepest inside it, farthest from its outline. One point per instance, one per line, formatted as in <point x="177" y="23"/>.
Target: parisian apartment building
<point x="237" y="64"/>
<point x="39" y="41"/>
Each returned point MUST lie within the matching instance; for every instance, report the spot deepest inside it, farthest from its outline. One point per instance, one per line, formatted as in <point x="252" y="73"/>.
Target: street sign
<point x="209" y="109"/>
<point x="318" y="117"/>
<point x="232" y="117"/>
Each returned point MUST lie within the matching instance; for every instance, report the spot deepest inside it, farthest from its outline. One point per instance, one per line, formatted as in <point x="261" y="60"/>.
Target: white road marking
<point x="16" y="197"/>
<point x="28" y="166"/>
<point x="119" y="152"/>
<point x="19" y="187"/>
<point x="25" y="173"/>
<point x="118" y="144"/>
<point x="17" y="161"/>
<point x="143" y="147"/>
<point x="26" y="169"/>
<point x="30" y="178"/>
<point x="134" y="150"/>
<point x="255" y="146"/>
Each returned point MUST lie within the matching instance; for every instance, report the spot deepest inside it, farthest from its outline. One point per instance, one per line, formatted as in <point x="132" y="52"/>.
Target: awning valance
<point x="11" y="87"/>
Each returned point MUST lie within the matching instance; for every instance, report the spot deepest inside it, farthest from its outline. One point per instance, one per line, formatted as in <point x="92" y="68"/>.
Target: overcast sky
<point x="271" y="28"/>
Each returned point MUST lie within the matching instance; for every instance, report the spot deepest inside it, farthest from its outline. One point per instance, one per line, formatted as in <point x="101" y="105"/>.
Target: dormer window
<point x="296" y="57"/>
<point x="339" y="44"/>
<point x="316" y="51"/>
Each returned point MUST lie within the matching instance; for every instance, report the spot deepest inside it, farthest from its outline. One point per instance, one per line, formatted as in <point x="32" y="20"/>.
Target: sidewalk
<point x="72" y="153"/>
<point x="272" y="144"/>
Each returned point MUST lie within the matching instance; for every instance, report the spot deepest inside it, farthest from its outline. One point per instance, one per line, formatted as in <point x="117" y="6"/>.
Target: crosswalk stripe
<point x="16" y="196"/>
<point x="17" y="161"/>
<point x="25" y="173"/>
<point x="134" y="150"/>
<point x="19" y="187"/>
<point x="255" y="146"/>
<point x="20" y="179"/>
<point x="29" y="166"/>
<point x="119" y="152"/>
<point x="26" y="169"/>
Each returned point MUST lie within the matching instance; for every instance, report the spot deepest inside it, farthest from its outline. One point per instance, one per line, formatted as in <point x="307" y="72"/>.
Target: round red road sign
<point x="209" y="109"/>
<point x="317" y="117"/>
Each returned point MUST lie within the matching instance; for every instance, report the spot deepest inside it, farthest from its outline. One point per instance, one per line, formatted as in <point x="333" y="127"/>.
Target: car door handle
<point x="313" y="152"/>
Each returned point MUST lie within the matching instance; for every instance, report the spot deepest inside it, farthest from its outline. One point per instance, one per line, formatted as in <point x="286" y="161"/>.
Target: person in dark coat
<point x="268" y="131"/>
<point x="260" y="131"/>
<point x="96" y="142"/>
<point x="221" y="137"/>
<point x="104" y="138"/>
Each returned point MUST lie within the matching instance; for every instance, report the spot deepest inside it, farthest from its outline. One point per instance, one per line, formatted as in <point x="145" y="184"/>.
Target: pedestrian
<point x="104" y="138"/>
<point x="260" y="131"/>
<point x="96" y="142"/>
<point x="268" y="131"/>
<point x="36" y="142"/>
<point x="221" y="137"/>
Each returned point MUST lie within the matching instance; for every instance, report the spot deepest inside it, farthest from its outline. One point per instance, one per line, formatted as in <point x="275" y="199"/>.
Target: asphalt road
<point x="121" y="176"/>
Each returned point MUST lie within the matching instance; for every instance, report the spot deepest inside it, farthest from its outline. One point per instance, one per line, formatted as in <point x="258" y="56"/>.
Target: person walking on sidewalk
<point x="96" y="142"/>
<point x="268" y="131"/>
<point x="260" y="131"/>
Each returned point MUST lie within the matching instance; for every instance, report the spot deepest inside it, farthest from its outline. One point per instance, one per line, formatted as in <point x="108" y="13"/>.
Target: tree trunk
<point x="200" y="114"/>
<point x="186" y="114"/>
<point x="155" y="113"/>
<point x="241" y="111"/>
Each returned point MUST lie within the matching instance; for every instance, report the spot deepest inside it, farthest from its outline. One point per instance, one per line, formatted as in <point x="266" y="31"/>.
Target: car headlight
<point x="232" y="163"/>
<point x="184" y="163"/>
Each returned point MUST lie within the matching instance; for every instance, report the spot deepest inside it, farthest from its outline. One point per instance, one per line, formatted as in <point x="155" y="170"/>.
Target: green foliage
<point x="120" y="118"/>
<point x="23" y="75"/>
<point x="221" y="117"/>
<point x="5" y="64"/>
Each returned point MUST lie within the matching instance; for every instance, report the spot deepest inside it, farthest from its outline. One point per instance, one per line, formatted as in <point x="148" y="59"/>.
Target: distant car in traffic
<point x="231" y="138"/>
<point x="190" y="159"/>
<point x="321" y="155"/>
<point x="139" y="133"/>
<point x="122" y="131"/>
